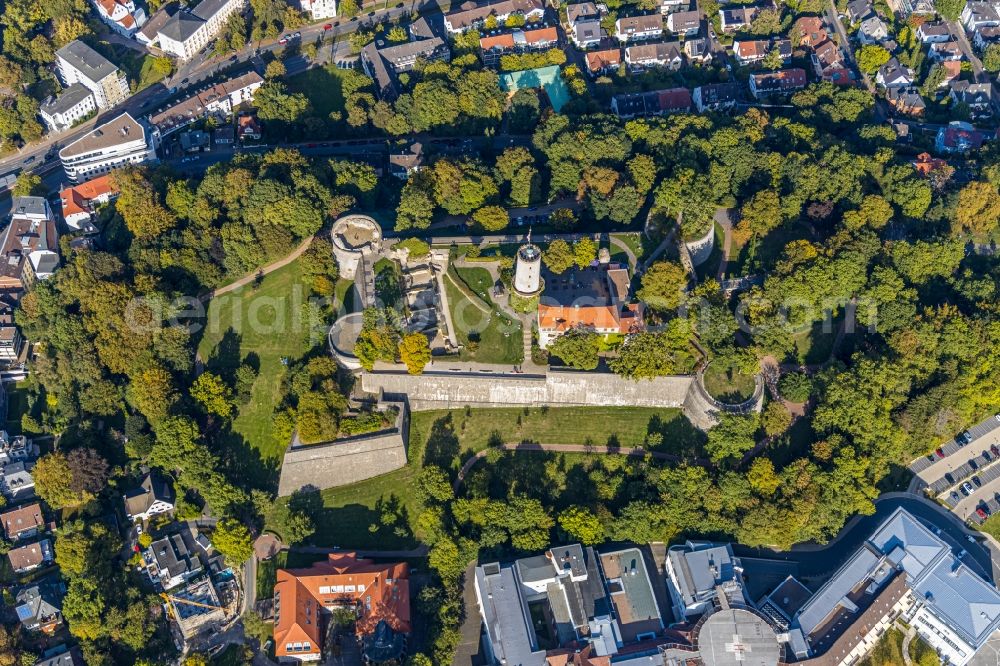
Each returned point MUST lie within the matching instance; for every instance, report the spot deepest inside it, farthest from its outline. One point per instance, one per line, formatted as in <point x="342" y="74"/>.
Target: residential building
<point x="170" y="562"/>
<point x="383" y="62"/>
<point x="12" y="347"/>
<point x="777" y="83"/>
<point x="587" y="34"/>
<point x="472" y="15"/>
<point x="894" y="75"/>
<point x="119" y="142"/>
<point x="639" y="28"/>
<point x="978" y="15"/>
<point x="632" y="597"/>
<point x="72" y="105"/>
<point x="79" y="202"/>
<point x="185" y="33"/>
<point x="717" y="96"/>
<point x="148" y="34"/>
<point x="873" y="30"/>
<point x="696" y="570"/>
<point x="959" y="137"/>
<point x="379" y="595"/>
<point x="932" y="32"/>
<point x="153" y="497"/>
<point x="826" y="57"/>
<point x="662" y="54"/>
<point x="30" y="556"/>
<point x="17" y="483"/>
<point x="218" y="101"/>
<point x="403" y="163"/>
<point x="906" y="101"/>
<point x="565" y="584"/>
<point x="16" y="447"/>
<point x="858" y="10"/>
<point x="29" y="245"/>
<point x="977" y="96"/>
<point x="195" y="141"/>
<point x="22" y="523"/>
<point x="594" y="299"/>
<point x="684" y="23"/>
<point x="810" y="31"/>
<point x="754" y="51"/>
<point x="39" y="606"/>
<point x="61" y="656"/>
<point x="601" y="62"/>
<point x="248" y="128"/>
<point x="671" y="6"/>
<point x="943" y="51"/>
<point x="319" y="9"/>
<point x="78" y="63"/>
<point x="224" y="136"/>
<point x="653" y="103"/>
<point x="925" y="165"/>
<point x="737" y="18"/>
<point x="497" y="44"/>
<point x="122" y="15"/>
<point x="698" y="50"/>
<point x="986" y="36"/>
<point x="952" y="70"/>
<point x="904" y="570"/>
<point x="582" y="11"/>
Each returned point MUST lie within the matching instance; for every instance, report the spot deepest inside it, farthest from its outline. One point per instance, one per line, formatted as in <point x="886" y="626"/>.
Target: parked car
<point x="995" y="450"/>
<point x="954" y="496"/>
<point x="283" y="40"/>
<point x="949" y="478"/>
<point x="967" y="489"/>
<point x="938" y="452"/>
<point x="296" y="35"/>
<point x="987" y="457"/>
<point x="977" y="481"/>
<point x="963" y="438"/>
<point x="981" y="512"/>
<point x="328" y="26"/>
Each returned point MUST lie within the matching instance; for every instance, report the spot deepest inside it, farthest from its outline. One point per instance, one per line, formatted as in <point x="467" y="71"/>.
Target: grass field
<point x="476" y="320"/>
<point x="17" y="404"/>
<point x="632" y="240"/>
<point x="354" y="514"/>
<point x="261" y="326"/>
<point x="322" y="85"/>
<point x="726" y="384"/>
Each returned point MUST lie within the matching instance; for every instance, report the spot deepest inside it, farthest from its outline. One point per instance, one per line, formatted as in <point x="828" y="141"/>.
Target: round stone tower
<point x="528" y="270"/>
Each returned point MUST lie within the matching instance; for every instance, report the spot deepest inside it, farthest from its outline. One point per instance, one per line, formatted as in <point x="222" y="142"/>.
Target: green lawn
<point x="727" y="385"/>
<point x="495" y="337"/>
<point x="345" y="294"/>
<point x="261" y="326"/>
<point x="142" y="70"/>
<point x="17" y="404"/>
<point x="632" y="240"/>
<point x="889" y="651"/>
<point x="992" y="526"/>
<point x="323" y="87"/>
<point x="353" y="515"/>
<point x="479" y="280"/>
<point x="813" y="346"/>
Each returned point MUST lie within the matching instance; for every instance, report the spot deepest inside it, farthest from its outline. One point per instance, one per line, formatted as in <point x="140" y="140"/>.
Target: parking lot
<point x="976" y="464"/>
<point x="931" y="469"/>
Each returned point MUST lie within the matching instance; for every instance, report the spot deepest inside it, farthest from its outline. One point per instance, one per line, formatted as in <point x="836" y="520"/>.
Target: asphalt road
<point x="817" y="561"/>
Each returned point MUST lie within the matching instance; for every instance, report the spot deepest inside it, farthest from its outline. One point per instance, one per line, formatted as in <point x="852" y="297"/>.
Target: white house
<point x="639" y="28"/>
<point x="933" y="33"/>
<point x="153" y="497"/>
<point x="15" y="448"/>
<point x="977" y="15"/>
<point x="873" y="30"/>
<point x="74" y="104"/>
<point x="121" y="15"/>
<point x="78" y="63"/>
<point x="17" y="480"/>
<point x="894" y="75"/>
<point x="114" y="144"/>
<point x="684" y="23"/>
<point x="319" y="9"/>
<point x="187" y="32"/>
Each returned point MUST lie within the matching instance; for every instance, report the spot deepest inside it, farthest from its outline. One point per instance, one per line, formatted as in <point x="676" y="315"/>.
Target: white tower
<point x="528" y="269"/>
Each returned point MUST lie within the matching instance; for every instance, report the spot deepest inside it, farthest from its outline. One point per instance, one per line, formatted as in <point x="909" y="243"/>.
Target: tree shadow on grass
<point x="242" y="463"/>
<point x="442" y="446"/>
<point x="225" y="356"/>
<point x="675" y="435"/>
<point x="351" y="526"/>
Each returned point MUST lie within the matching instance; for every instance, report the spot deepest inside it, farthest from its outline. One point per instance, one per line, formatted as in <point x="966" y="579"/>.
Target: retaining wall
<point x="700" y="249"/>
<point x="349" y="460"/>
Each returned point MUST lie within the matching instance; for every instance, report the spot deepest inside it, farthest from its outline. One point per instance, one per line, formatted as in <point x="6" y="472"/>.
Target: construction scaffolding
<point x="197" y="607"/>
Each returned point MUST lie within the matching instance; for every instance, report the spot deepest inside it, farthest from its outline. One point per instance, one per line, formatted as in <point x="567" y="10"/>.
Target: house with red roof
<point x="80" y="201"/>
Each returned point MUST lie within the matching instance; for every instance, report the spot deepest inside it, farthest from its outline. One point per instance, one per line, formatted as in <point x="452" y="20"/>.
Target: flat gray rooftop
<point x="736" y="637"/>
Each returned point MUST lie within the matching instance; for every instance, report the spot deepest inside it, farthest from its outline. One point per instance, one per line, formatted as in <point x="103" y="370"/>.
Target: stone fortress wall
<point x="348" y="460"/>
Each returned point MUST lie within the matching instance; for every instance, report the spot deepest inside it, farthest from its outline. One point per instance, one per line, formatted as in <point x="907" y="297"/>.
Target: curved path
<point x="534" y="447"/>
<point x="263" y="270"/>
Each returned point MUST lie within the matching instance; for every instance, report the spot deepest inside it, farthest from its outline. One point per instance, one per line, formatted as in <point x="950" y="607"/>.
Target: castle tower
<point x="528" y="269"/>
